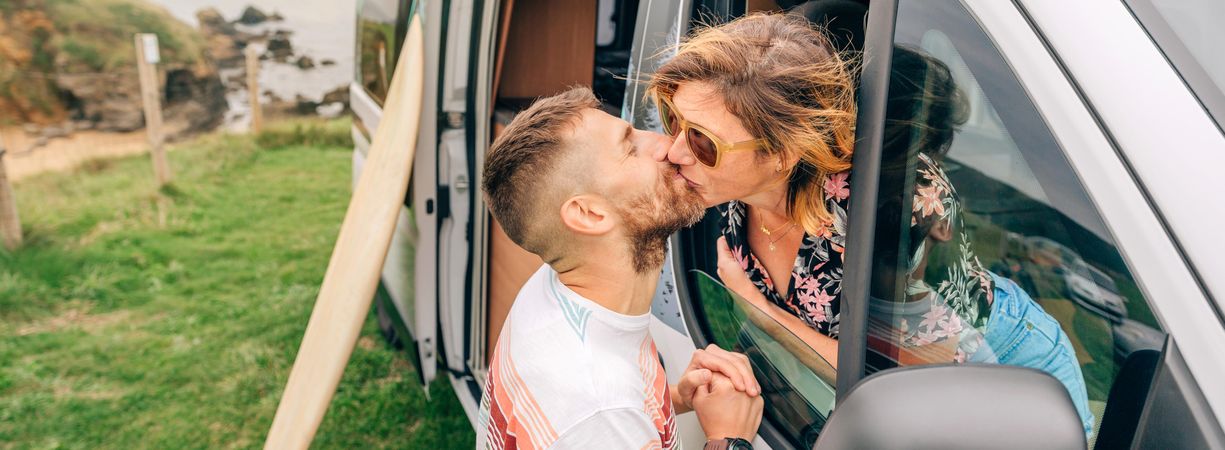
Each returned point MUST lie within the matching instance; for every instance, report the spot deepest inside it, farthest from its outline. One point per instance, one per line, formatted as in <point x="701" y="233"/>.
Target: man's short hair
<point x="521" y="163"/>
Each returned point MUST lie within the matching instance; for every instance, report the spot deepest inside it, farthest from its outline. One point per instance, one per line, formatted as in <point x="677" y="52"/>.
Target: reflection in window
<point x="987" y="248"/>
<point x="376" y="43"/>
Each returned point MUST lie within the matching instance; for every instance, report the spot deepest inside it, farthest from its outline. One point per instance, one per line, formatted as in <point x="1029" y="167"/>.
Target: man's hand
<point x="725" y="412"/>
<point x="704" y="365"/>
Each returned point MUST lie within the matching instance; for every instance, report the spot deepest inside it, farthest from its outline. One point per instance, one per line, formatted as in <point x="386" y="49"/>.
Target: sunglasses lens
<point x="668" y="119"/>
<point x="702" y="147"/>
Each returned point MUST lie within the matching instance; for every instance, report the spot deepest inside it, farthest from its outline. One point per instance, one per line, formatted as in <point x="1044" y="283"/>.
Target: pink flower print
<point x="928" y="201"/>
<point x="814" y="302"/>
<point x="923" y="339"/>
<point x="931" y="320"/>
<point x="951" y="326"/>
<point x="738" y="252"/>
<point x="836" y="186"/>
<point x="960" y="356"/>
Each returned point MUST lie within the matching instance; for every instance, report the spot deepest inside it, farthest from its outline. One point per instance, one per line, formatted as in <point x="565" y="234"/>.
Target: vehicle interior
<point x="545" y="47"/>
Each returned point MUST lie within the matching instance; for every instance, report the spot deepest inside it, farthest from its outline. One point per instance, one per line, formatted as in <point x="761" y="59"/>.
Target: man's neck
<point x="613" y="284"/>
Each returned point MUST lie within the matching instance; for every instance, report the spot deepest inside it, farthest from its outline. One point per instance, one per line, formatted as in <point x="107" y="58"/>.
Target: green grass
<point x="135" y="318"/>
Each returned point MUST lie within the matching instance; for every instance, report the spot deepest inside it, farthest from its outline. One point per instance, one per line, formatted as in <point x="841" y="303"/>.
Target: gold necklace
<point x="785" y="228"/>
<point x="761" y="223"/>
<point x="786" y="231"/>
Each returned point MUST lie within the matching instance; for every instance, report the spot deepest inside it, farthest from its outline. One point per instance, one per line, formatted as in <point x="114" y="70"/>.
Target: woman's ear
<point x="942" y="231"/>
<point x="587" y="215"/>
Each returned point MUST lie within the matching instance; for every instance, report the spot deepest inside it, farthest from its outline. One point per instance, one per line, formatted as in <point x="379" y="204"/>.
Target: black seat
<point x="843" y="20"/>
<point x="1127" y="396"/>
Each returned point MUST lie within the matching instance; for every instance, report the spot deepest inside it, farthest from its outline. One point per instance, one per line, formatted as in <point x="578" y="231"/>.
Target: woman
<point x="763" y="113"/>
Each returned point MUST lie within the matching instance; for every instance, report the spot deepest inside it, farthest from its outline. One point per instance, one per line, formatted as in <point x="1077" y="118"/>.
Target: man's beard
<point x="652" y="217"/>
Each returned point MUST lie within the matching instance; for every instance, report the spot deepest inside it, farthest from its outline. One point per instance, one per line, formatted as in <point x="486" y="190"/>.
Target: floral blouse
<point x="814" y="291"/>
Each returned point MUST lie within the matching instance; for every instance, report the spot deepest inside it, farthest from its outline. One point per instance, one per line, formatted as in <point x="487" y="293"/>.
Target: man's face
<point x="651" y="200"/>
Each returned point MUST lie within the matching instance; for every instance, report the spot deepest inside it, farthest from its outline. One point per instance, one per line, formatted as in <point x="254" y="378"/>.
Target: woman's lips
<point x="687" y="180"/>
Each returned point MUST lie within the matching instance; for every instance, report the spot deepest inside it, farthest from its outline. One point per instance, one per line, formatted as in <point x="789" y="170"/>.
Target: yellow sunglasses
<point x="707" y="148"/>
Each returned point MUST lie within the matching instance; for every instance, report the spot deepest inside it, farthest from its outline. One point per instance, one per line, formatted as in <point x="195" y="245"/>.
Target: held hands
<point x="708" y="364"/>
<point x="725" y="412"/>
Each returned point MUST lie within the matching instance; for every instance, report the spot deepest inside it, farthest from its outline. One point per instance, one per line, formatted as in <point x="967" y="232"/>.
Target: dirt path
<point x="66" y="153"/>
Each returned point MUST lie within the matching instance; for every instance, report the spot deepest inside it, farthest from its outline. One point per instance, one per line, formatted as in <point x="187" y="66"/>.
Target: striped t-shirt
<point x="569" y="373"/>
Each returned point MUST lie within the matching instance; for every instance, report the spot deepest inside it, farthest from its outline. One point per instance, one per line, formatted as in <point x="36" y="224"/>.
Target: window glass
<point x="797" y="384"/>
<point x="376" y="41"/>
<point x="988" y="249"/>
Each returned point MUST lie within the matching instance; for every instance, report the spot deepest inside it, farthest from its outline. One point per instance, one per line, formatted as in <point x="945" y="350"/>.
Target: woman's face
<point x="739" y="174"/>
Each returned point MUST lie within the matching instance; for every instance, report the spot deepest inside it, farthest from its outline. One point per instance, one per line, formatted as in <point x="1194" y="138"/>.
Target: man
<point x="574" y="365"/>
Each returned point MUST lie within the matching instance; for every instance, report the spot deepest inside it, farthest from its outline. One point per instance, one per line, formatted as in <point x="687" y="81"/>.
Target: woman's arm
<point x="738" y="282"/>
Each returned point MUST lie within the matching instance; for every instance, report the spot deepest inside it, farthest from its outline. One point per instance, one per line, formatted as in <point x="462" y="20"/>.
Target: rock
<point x="338" y="95"/>
<point x="30" y="128"/>
<point x="304" y="106"/>
<point x="305" y="62"/>
<point x="327" y="62"/>
<point x="211" y="21"/>
<point x="223" y="43"/>
<point x="110" y="101"/>
<point x="223" y="49"/>
<point x="252" y="16"/>
<point x="330" y="110"/>
<point x="279" y="48"/>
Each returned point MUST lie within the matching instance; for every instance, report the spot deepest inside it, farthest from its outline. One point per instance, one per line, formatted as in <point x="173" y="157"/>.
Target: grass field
<point x="139" y="319"/>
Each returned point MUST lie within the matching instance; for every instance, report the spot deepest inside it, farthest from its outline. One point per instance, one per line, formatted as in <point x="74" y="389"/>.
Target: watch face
<point x="739" y="444"/>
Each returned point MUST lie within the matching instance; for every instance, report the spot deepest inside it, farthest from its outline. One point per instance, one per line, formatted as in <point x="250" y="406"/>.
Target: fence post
<point x="10" y="224"/>
<point x="257" y="113"/>
<point x="146" y="56"/>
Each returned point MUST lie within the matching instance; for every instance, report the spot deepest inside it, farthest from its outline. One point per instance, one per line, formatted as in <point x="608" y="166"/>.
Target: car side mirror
<point x="955" y="407"/>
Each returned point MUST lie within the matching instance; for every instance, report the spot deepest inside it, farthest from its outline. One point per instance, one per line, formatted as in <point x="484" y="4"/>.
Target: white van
<point x="1095" y="125"/>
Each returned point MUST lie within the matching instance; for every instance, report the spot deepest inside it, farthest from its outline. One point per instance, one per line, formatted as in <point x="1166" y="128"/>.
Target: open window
<point x="543" y="48"/>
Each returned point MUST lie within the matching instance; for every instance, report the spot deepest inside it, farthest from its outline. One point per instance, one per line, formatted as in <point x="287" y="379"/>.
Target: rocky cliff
<point x="71" y="63"/>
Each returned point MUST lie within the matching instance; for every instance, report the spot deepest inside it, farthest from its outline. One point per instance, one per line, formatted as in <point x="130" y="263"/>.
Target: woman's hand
<point x="735" y="279"/>
<point x="704" y="366"/>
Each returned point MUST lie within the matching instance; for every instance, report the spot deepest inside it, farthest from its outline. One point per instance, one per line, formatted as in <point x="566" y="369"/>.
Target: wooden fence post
<point x="146" y="56"/>
<point x="257" y="113"/>
<point x="10" y="224"/>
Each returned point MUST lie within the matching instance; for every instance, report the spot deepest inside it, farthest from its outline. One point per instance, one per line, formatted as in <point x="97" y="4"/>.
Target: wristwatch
<point x="728" y="444"/>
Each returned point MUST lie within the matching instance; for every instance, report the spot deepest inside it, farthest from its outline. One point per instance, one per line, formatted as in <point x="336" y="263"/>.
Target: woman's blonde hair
<point x="786" y="83"/>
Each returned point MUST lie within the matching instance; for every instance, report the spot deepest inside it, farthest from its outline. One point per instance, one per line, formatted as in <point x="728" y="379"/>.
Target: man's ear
<point x="586" y="215"/>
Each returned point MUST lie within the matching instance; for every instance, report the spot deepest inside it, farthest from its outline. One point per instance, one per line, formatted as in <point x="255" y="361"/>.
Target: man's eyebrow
<point x="627" y="143"/>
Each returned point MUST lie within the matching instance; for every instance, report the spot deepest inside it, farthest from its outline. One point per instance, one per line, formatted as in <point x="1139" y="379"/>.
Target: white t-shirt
<point x="569" y="373"/>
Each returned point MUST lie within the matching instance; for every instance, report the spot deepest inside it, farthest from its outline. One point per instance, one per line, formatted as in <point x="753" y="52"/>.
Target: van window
<point x="988" y="249"/>
<point x="376" y="45"/>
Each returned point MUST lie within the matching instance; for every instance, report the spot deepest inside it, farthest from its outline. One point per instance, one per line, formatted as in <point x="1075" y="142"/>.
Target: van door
<point x="406" y="302"/>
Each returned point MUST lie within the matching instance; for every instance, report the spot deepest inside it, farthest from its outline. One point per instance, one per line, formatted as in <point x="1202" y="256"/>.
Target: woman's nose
<point x="678" y="152"/>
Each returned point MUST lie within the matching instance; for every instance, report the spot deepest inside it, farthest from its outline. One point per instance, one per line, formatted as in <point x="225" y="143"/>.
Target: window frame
<point x="1210" y="96"/>
<point x="874" y="85"/>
